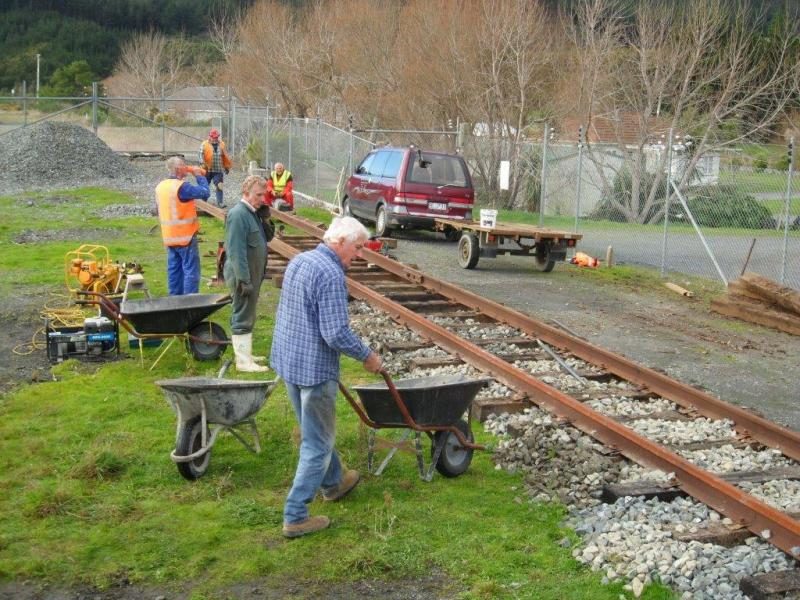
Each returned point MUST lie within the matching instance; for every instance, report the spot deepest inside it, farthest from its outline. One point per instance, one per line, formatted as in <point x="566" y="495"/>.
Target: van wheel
<point x="468" y="251"/>
<point x="381" y="223"/>
<point x="346" y="212"/>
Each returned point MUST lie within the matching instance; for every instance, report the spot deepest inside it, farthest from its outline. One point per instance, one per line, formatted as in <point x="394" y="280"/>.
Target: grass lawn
<point x="88" y="493"/>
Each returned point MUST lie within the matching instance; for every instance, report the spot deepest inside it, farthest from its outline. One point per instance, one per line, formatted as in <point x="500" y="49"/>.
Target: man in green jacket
<point x="246" y="257"/>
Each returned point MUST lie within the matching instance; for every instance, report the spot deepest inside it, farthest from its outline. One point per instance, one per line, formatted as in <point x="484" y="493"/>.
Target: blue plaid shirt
<point x="312" y="327"/>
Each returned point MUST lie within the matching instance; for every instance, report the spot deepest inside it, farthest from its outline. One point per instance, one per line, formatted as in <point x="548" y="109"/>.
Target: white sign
<point x="505" y="172"/>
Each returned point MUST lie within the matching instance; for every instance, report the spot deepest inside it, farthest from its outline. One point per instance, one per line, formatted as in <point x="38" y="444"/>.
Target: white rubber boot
<point x="243" y="349"/>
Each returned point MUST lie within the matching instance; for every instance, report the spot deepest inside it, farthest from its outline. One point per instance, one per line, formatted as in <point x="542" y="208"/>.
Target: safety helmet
<point x="213" y="134"/>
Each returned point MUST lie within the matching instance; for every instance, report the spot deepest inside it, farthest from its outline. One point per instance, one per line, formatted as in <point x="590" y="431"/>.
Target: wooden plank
<point x="717" y="533"/>
<point x="662" y="415"/>
<point x="513" y="230"/>
<point x="772" y="292"/>
<point x="769" y="586"/>
<point x="756" y="313"/>
<point x="432" y="305"/>
<point x="666" y="492"/>
<point x="483" y="407"/>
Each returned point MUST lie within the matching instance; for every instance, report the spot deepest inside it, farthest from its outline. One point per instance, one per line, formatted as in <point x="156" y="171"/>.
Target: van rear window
<point x="437" y="169"/>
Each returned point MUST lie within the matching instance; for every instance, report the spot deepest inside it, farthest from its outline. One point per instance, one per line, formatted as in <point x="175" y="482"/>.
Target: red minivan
<point x="407" y="188"/>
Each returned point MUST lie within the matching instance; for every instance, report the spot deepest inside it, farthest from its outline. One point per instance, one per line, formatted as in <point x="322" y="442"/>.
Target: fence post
<point x="580" y="171"/>
<point x="230" y="115"/>
<point x="233" y="126"/>
<point x="543" y="187"/>
<point x="94" y="107"/>
<point x="290" y="141"/>
<point x="316" y="162"/>
<point x="666" y="206"/>
<point x="163" y="122"/>
<point x="786" y="210"/>
<point x="24" y="103"/>
<point x="352" y="141"/>
<point x="266" y="140"/>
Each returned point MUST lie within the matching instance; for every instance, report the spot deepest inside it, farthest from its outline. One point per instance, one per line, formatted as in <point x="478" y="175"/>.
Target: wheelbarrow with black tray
<point x="170" y="317"/>
<point x="206" y="406"/>
<point x="434" y="406"/>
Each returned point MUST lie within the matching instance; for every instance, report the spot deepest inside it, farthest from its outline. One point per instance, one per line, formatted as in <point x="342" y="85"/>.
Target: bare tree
<point x="150" y="63"/>
<point x="701" y="69"/>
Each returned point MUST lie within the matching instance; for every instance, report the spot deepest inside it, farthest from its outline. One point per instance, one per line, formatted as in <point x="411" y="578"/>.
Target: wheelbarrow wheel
<point x="454" y="459"/>
<point x="212" y="332"/>
<point x="190" y="440"/>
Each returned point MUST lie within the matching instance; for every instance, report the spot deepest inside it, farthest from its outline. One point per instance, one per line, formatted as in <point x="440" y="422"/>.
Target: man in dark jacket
<point x="246" y="257"/>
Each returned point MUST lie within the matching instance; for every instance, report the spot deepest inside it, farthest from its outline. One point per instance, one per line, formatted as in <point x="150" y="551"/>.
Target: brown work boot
<point x="310" y="525"/>
<point x="349" y="480"/>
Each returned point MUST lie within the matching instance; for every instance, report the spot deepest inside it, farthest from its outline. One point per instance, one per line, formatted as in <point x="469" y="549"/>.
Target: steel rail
<point x="765" y="521"/>
<point x="768" y="433"/>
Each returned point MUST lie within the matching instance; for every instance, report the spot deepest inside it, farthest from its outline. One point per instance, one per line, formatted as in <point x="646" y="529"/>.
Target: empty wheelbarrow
<point x="170" y="316"/>
<point x="205" y="406"/>
<point x="431" y="405"/>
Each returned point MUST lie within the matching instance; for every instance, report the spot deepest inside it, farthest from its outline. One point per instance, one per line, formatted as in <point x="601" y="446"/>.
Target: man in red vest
<point x="216" y="160"/>
<point x="178" y="218"/>
<point x="279" y="189"/>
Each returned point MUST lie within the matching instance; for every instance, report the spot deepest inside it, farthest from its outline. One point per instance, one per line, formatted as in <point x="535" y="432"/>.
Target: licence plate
<point x="437" y="205"/>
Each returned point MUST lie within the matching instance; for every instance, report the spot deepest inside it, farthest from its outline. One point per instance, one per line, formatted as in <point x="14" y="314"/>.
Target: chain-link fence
<point x="735" y="209"/>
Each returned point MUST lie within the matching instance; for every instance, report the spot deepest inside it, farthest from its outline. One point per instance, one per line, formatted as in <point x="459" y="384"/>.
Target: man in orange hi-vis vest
<point x="217" y="161"/>
<point x="178" y="218"/>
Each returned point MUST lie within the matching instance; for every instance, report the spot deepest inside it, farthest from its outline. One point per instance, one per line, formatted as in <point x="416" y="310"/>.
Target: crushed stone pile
<point x="52" y="155"/>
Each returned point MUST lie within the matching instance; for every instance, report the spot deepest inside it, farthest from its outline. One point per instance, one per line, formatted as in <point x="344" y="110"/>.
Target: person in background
<point x="279" y="189"/>
<point x="246" y="258"/>
<point x="177" y="216"/>
<point x="312" y="330"/>
<point x="216" y="161"/>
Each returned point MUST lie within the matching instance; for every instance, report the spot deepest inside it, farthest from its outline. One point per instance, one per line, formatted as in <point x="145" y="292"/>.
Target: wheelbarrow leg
<point x="370" y="449"/>
<point x="161" y="355"/>
<point x="392" y="452"/>
<point x="418" y="449"/>
<point x="256" y="447"/>
<point x="438" y="446"/>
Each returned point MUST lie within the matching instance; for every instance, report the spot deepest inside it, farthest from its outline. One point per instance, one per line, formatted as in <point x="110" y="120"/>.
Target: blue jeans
<point x="213" y="180"/>
<point x="319" y="465"/>
<point x="183" y="268"/>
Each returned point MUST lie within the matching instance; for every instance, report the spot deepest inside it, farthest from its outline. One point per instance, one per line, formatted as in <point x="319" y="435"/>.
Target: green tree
<point x="74" y="79"/>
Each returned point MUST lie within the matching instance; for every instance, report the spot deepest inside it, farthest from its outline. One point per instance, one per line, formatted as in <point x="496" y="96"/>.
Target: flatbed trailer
<point x="546" y="246"/>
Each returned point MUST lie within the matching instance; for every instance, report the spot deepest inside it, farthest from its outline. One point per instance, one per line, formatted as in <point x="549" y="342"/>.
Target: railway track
<point x="556" y="370"/>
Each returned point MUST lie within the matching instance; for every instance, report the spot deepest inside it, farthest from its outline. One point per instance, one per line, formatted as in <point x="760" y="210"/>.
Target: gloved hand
<point x="245" y="288"/>
<point x="227" y="171"/>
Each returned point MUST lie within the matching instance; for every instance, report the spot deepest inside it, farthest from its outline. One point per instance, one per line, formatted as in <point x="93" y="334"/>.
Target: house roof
<point x="620" y="128"/>
<point x="197" y="92"/>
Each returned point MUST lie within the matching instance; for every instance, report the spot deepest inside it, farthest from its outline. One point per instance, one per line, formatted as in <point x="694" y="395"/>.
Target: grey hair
<point x="173" y="163"/>
<point x="345" y="229"/>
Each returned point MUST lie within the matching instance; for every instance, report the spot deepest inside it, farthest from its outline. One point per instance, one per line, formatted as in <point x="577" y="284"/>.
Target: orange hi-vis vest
<point x="279" y="183"/>
<point x="208" y="152"/>
<point x="178" y="219"/>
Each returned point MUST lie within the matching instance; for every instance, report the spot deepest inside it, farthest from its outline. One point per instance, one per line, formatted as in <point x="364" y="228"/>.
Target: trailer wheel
<point x="542" y="260"/>
<point x="212" y="332"/>
<point x="468" y="251"/>
<point x="382" y="222"/>
<point x="454" y="459"/>
<point x="190" y="440"/>
<point x="451" y="234"/>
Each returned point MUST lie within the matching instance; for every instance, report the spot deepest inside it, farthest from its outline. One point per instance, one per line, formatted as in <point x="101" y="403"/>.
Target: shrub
<point x="621" y="190"/>
<point x="722" y="206"/>
<point x="760" y="164"/>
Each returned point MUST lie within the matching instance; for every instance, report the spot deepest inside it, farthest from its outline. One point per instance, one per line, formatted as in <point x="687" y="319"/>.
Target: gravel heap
<point x="53" y="155"/>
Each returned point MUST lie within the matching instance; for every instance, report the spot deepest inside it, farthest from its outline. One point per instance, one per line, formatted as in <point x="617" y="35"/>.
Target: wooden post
<point x="610" y="256"/>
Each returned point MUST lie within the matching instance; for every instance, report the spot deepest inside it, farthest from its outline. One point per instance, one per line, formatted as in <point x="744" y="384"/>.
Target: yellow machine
<point x="90" y="269"/>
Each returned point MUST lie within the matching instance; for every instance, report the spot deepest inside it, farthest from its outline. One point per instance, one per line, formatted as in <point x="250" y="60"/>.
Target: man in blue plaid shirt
<point x="312" y="330"/>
